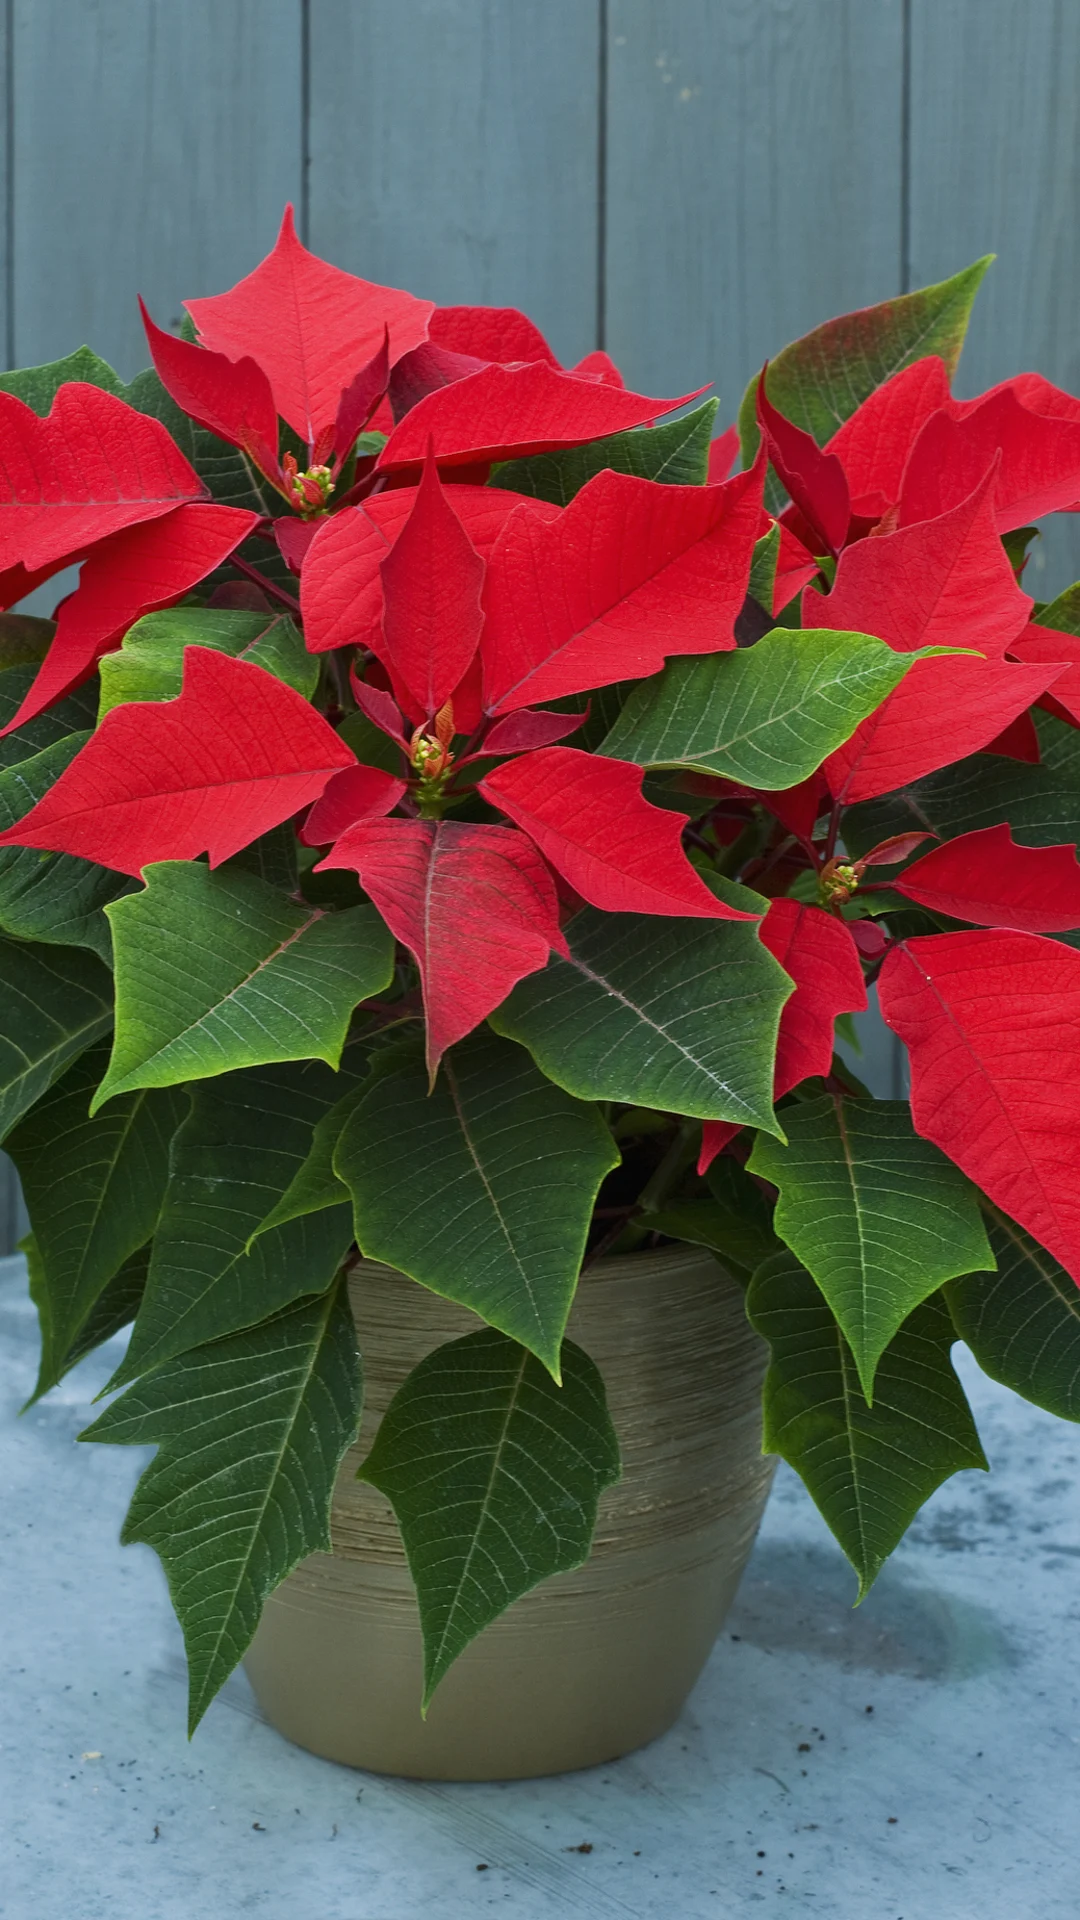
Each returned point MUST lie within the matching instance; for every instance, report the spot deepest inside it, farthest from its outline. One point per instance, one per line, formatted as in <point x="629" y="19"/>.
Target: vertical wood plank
<point x="754" y="179"/>
<point x="154" y="148"/>
<point x="454" y="150"/>
<point x="6" y="255"/>
<point x="995" y="168"/>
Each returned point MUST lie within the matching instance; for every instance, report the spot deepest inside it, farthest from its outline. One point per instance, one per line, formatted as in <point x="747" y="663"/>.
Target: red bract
<point x="991" y="1021"/>
<point x="1040" y="462"/>
<point x="235" y="754"/>
<point x="815" y="480"/>
<point x="987" y="878"/>
<point x="874" y="444"/>
<point x="431" y="578"/>
<point x="475" y="905"/>
<point x="231" y="398"/>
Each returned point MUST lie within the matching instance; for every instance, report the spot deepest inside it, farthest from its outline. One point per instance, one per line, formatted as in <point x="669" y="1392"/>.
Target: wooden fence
<point x="689" y="183"/>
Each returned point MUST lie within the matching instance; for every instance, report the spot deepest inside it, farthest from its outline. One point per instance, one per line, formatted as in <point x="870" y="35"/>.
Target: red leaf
<point x="16" y="582"/>
<point x="356" y="793"/>
<point x="723" y="453"/>
<point x="992" y="1024"/>
<point x="715" y="1135"/>
<point x="599" y="366"/>
<point x="426" y="370"/>
<point x="92" y="466"/>
<point x="794" y="567"/>
<point x="874" y="443"/>
<point x="132" y="573"/>
<point x="944" y="582"/>
<point x="1033" y="391"/>
<point x="630" y="572"/>
<point x="505" y="412"/>
<point x="341" y="590"/>
<point x="617" y="850"/>
<point x="380" y="707"/>
<point x="231" y="398"/>
<point x="431" y="579"/>
<point x="986" y="877"/>
<point x="527" y="729"/>
<point x="817" y="951"/>
<point x="942" y="710"/>
<point x="869" y="937"/>
<point x="359" y="399"/>
<point x="310" y="327"/>
<point x="1019" y="740"/>
<point x="815" y="480"/>
<point x="1047" y="645"/>
<point x="1040" y="462"/>
<point x="294" y="537"/>
<point x="890" y="852"/>
<point x="474" y="904"/>
<point x="236" y="753"/>
<point x="490" y="333"/>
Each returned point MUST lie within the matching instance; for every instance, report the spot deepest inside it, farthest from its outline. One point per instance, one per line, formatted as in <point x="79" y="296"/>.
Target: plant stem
<point x="680" y="1154"/>
<point x="268" y="586"/>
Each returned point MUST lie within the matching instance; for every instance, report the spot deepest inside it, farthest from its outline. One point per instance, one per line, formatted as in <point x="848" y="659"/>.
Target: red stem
<point x="268" y="586"/>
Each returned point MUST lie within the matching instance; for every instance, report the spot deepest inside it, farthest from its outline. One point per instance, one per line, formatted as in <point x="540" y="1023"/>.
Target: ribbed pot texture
<point x="592" y="1663"/>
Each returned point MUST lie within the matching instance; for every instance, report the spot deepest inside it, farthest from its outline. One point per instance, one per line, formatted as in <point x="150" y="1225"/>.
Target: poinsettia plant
<point x="446" y="824"/>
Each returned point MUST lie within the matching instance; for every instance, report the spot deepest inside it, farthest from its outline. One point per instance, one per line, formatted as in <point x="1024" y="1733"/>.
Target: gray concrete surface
<point x="779" y="1793"/>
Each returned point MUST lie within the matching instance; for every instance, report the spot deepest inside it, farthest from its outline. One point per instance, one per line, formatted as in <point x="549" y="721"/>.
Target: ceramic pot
<point x="592" y="1663"/>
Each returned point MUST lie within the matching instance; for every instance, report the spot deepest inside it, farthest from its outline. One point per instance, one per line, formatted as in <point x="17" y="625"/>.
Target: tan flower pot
<point x="592" y="1663"/>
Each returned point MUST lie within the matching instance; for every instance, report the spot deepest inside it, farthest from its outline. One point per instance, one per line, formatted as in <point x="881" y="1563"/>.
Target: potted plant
<point x="441" y="834"/>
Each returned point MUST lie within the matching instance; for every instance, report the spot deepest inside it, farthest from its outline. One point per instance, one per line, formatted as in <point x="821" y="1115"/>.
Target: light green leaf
<point x="677" y="452"/>
<point x="93" y="1190"/>
<point x="765" y="715"/>
<point x="878" y="1216"/>
<point x="251" y="1432"/>
<point x="867" y="1469"/>
<point x="482" y="1191"/>
<point x="1041" y="803"/>
<point x="37" y="387"/>
<point x="245" y="1138"/>
<point x="216" y="971"/>
<point x="820" y="380"/>
<point x="1022" y="1323"/>
<point x="54" y="897"/>
<point x="150" y="663"/>
<point x="681" y="1015"/>
<point x="54" y="1003"/>
<point x="494" y="1473"/>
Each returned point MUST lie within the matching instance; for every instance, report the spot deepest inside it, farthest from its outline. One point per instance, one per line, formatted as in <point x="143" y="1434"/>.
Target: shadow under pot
<point x="592" y="1663"/>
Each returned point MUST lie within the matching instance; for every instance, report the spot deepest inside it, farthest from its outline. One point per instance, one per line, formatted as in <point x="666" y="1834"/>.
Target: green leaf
<point x="820" y="380"/>
<point x="676" y="1014"/>
<point x="24" y="639"/>
<point x="494" y="1473"/>
<point x="93" y="1190"/>
<point x="244" y="1140"/>
<point x="52" y="896"/>
<point x="150" y="663"/>
<point x="230" y="477"/>
<point x="482" y="1191"/>
<point x="765" y="715"/>
<point x="867" y="1469"/>
<point x="114" y="1309"/>
<point x="879" y="1217"/>
<point x="54" y="1003"/>
<point x="273" y="857"/>
<point x="370" y="744"/>
<point x="216" y="971"/>
<point x="73" y="715"/>
<point x="250" y="1431"/>
<point x="315" y="1186"/>
<point x="735" y="1222"/>
<point x="1022" y="1323"/>
<point x="763" y="568"/>
<point x="37" y="387"/>
<point x="1063" y="614"/>
<point x="1041" y="803"/>
<point x="676" y="452"/>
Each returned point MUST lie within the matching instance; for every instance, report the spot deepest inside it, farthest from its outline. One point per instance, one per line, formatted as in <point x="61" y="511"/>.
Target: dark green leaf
<point x="115" y="1307"/>
<point x="250" y="1431"/>
<point x="315" y="1185"/>
<point x="24" y="639"/>
<point x="820" y="380"/>
<point x="681" y="1015"/>
<point x="370" y="744"/>
<point x="149" y="665"/>
<point x="54" y="1003"/>
<point x="273" y="857"/>
<point x="482" y="1190"/>
<point x="763" y="568"/>
<point x="1022" y="1323"/>
<point x="878" y="1216"/>
<point x="867" y="1469"/>
<point x="230" y="477"/>
<point x="1041" y="803"/>
<point x="235" y="1155"/>
<point x="38" y="386"/>
<point x="72" y="715"/>
<point x="494" y="1473"/>
<point x="765" y="715"/>
<point x="93" y="1190"/>
<point x="1063" y="614"/>
<point x="52" y="896"/>
<point x="216" y="971"/>
<point x="677" y="452"/>
<point x="735" y="1221"/>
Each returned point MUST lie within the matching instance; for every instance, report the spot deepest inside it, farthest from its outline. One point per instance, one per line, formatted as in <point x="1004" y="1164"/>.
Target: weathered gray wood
<point x="454" y="150"/>
<point x="154" y="147"/>
<point x="754" y="179"/>
<point x="995" y="168"/>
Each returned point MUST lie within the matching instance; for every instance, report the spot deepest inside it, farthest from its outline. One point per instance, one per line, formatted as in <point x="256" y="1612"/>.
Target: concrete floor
<point x="914" y="1760"/>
